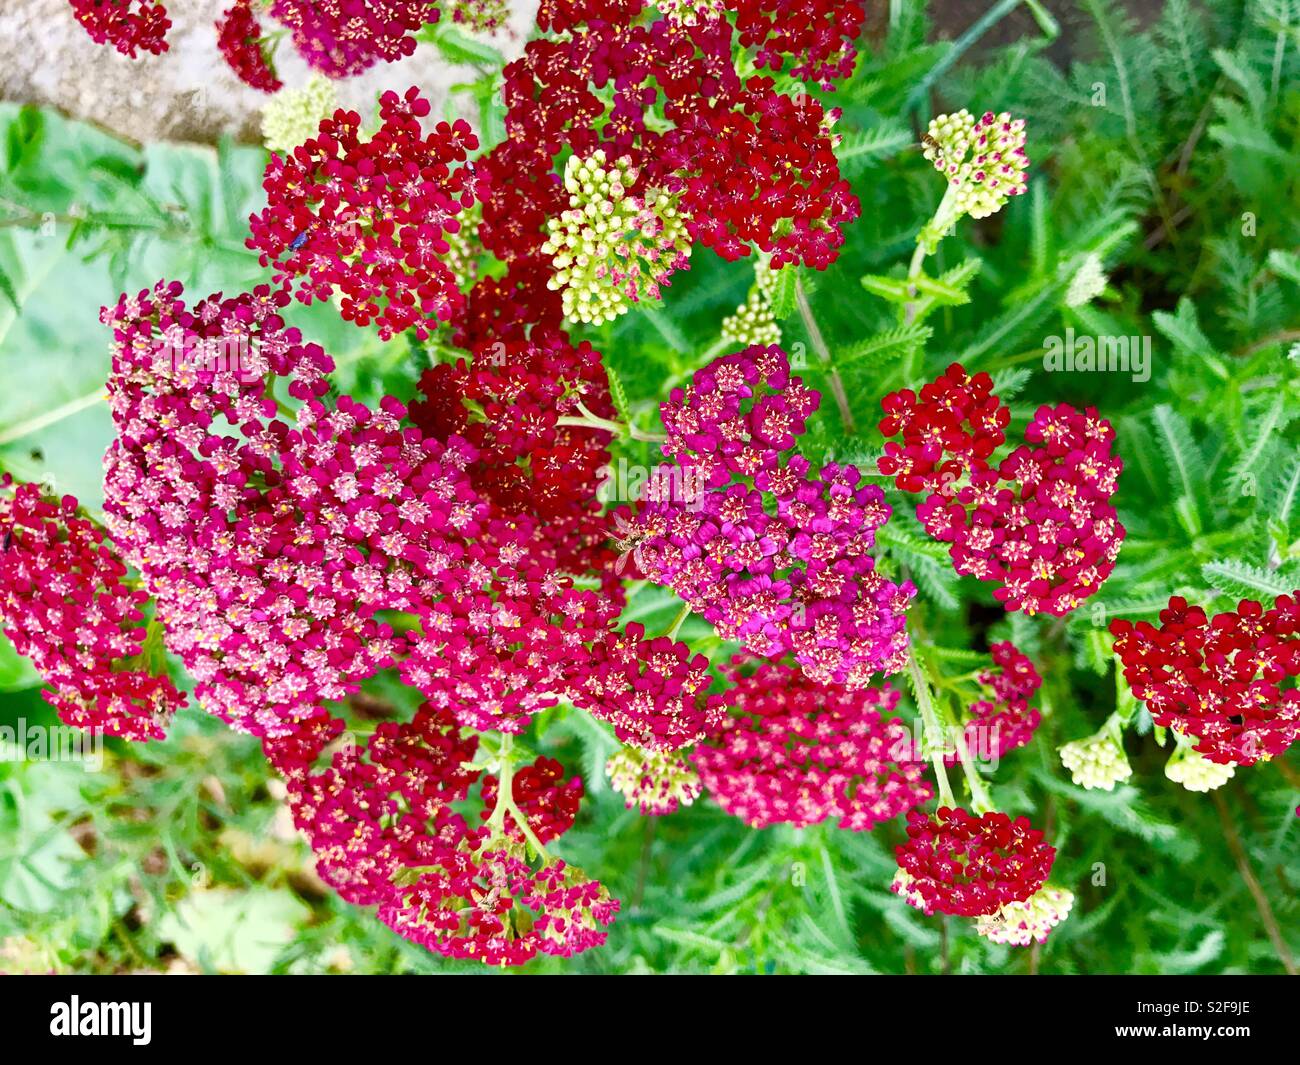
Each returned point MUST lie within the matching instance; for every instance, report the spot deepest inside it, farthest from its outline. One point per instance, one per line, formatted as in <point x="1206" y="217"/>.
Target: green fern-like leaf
<point x="1241" y="580"/>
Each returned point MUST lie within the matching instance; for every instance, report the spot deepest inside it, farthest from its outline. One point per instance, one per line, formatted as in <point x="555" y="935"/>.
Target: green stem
<point x="682" y="615"/>
<point x="506" y="801"/>
<point x="824" y="354"/>
<point x="932" y="742"/>
<point x="979" y="796"/>
<point x="17" y="432"/>
<point x="593" y="421"/>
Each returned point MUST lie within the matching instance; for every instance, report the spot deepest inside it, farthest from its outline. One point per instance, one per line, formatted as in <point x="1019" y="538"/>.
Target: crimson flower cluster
<point x="341" y="38"/>
<point x="130" y="26"/>
<point x="969" y="866"/>
<point x="816" y="38"/>
<point x="381" y="822"/>
<point x="1005" y="720"/>
<point x="67" y="603"/>
<point x="1219" y="679"/>
<point x="338" y="38"/>
<point x="741" y="161"/>
<point x="770" y="552"/>
<point x="240" y="42"/>
<point x="508" y="403"/>
<point x="797" y="752"/>
<point x="1040" y="523"/>
<point x="369" y="218"/>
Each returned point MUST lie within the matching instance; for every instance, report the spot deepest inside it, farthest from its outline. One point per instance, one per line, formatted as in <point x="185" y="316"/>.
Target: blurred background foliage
<point x="1165" y="141"/>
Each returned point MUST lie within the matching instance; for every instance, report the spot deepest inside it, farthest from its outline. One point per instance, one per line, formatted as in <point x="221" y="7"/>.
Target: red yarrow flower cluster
<point x="1005" y="720"/>
<point x="369" y="219"/>
<point x="796" y="752"/>
<point x="381" y="823"/>
<point x="818" y="36"/>
<point x="743" y="530"/>
<point x="67" y="604"/>
<point x="954" y="426"/>
<point x="508" y="403"/>
<point x="1219" y="679"/>
<point x="240" y="41"/>
<point x="130" y="26"/>
<point x="341" y="38"/>
<point x="969" y="866"/>
<point x="1039" y="524"/>
<point x="741" y="162"/>
<point x="654" y="692"/>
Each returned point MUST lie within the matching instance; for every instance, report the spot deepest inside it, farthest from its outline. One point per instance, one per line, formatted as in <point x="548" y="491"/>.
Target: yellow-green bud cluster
<point x="612" y="248"/>
<point x="753" y="322"/>
<point x="1096" y="762"/>
<point x="657" y="782"/>
<point x="983" y="159"/>
<point x="1021" y="923"/>
<point x="1088" y="283"/>
<point x="1195" y="772"/>
<point x="292" y="116"/>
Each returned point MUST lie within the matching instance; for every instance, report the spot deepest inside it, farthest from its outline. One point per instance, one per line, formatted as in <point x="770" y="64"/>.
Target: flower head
<point x="1221" y="680"/>
<point x="656" y="782"/>
<point x="983" y="159"/>
<point x="369" y="219"/>
<point x="817" y="37"/>
<point x="1195" y="772"/>
<point x="1005" y="720"/>
<point x="768" y="551"/>
<point x="240" y="41"/>
<point x="969" y="866"/>
<point x="130" y="26"/>
<point x="293" y="116"/>
<point x="612" y="247"/>
<point x="796" y="752"/>
<point x="1040" y="523"/>
<point x="1096" y="762"/>
<point x="66" y="603"/>
<point x="342" y="38"/>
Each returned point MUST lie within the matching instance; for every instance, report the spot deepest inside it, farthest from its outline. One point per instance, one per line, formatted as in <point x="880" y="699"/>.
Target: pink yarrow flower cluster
<point x="66" y="602"/>
<point x="770" y="552"/>
<point x="270" y="547"/>
<point x="792" y="751"/>
<point x="1039" y="524"/>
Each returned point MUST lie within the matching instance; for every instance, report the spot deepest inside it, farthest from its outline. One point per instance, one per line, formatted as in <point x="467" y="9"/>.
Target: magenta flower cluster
<point x="770" y="552"/>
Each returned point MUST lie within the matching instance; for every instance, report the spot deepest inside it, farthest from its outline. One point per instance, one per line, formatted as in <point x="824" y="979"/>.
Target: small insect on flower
<point x="299" y="240"/>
